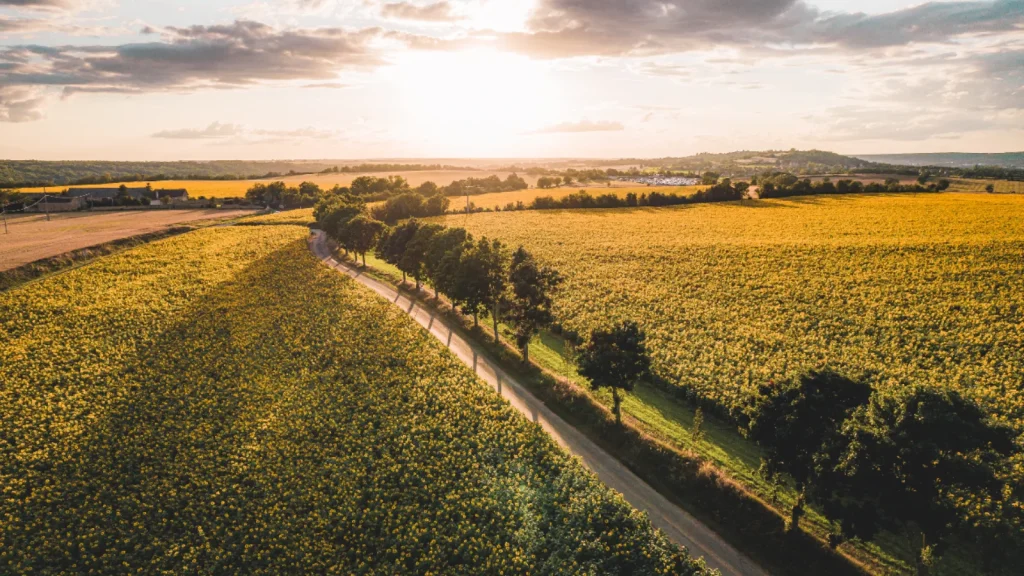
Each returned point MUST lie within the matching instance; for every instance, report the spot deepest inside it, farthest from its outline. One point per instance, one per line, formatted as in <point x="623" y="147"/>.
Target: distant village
<point x="658" y="180"/>
<point x="123" y="196"/>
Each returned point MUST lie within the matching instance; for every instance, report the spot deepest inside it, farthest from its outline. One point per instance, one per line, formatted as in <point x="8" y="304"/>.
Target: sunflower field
<point x="220" y="403"/>
<point x="915" y="288"/>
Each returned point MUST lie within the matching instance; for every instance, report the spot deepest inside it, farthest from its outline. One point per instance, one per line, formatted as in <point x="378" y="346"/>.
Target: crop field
<point x="1000" y="186"/>
<point x="298" y="217"/>
<point x="923" y="288"/>
<point x="31" y="237"/>
<point x="500" y="199"/>
<point x="237" y="188"/>
<point x="221" y="402"/>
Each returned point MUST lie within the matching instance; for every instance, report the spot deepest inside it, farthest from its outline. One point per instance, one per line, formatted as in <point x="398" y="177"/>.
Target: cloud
<point x="436" y="12"/>
<point x="214" y="130"/>
<point x="20" y="25"/>
<point x="235" y="55"/>
<point x="582" y="126"/>
<point x="237" y="133"/>
<point x="19" y="104"/>
<point x="566" y="28"/>
<point x="38" y="4"/>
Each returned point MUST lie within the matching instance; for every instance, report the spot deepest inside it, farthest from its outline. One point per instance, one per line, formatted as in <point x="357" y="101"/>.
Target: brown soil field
<point x="31" y="237"/>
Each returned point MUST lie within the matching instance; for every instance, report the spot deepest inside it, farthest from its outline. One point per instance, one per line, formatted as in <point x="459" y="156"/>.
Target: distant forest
<point x="31" y="173"/>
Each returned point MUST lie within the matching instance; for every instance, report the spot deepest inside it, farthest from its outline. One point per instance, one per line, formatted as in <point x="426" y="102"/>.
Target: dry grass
<point x="32" y="238"/>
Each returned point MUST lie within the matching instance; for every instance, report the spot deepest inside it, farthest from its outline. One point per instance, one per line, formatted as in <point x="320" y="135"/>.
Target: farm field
<point x="1000" y="186"/>
<point x="153" y="421"/>
<point x="237" y="188"/>
<point x="500" y="199"/>
<point x="917" y="288"/>
<point x="32" y="238"/>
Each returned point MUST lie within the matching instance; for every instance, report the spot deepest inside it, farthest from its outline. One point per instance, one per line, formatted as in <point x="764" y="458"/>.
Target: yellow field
<point x="237" y="188"/>
<point x="1001" y="186"/>
<point x="500" y="199"/>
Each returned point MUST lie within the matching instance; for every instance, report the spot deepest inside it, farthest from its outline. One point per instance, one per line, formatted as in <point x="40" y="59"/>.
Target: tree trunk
<point x="494" y="317"/>
<point x="526" y="353"/>
<point x="476" y="322"/>
<point x="403" y="277"/>
<point x="796" y="512"/>
<point x="919" y="560"/>
<point x="417" y="283"/>
<point x="435" y="294"/>
<point x="364" y="259"/>
<point x="618" y="406"/>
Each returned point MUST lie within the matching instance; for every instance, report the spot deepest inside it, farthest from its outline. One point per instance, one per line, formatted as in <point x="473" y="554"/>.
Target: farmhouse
<point x="176" y="196"/>
<point x="99" y="194"/>
<point x="56" y="204"/>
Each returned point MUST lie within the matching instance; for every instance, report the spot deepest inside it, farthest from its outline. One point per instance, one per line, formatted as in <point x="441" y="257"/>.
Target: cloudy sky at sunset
<point x="204" y="79"/>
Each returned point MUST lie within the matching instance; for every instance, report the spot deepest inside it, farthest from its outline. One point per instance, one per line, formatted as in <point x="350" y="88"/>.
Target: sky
<point x="362" y="79"/>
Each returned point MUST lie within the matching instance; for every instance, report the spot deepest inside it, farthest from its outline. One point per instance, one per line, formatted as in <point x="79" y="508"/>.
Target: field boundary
<point x="40" y="269"/>
<point x="684" y="479"/>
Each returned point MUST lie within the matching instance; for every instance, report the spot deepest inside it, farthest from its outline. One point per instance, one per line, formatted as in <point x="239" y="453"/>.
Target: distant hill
<point x="29" y="173"/>
<point x="750" y="162"/>
<point x="949" y="159"/>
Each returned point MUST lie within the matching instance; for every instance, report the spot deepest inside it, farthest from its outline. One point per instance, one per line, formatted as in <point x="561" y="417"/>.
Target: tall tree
<point x="394" y="245"/>
<point x="361" y="234"/>
<point x="434" y="264"/>
<point x="482" y="279"/>
<point x="797" y="422"/>
<point x="529" y="304"/>
<point x="911" y="459"/>
<point x="415" y="257"/>
<point x="615" y="358"/>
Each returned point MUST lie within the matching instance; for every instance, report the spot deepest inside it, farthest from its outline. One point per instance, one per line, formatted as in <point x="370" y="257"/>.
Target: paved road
<point x="677" y="524"/>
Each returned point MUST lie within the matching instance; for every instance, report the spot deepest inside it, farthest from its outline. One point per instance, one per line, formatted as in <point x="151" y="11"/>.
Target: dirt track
<point x="30" y="237"/>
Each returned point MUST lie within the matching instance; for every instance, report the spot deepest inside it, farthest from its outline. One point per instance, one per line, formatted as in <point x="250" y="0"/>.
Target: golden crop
<point x="922" y="288"/>
<point x="219" y="402"/>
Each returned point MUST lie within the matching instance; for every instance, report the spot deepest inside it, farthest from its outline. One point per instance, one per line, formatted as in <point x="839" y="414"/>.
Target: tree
<point x="361" y="234"/>
<point x="333" y="213"/>
<point x="910" y="459"/>
<point x="393" y="245"/>
<point x="415" y="257"/>
<point x="797" y="424"/>
<point x="567" y="180"/>
<point x="529" y="305"/>
<point x="990" y="188"/>
<point x="442" y="257"/>
<point x="615" y="358"/>
<point x="482" y="279"/>
<point x="710" y="178"/>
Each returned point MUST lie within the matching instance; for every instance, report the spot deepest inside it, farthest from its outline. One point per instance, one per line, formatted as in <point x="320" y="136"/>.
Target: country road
<point x="676" y="523"/>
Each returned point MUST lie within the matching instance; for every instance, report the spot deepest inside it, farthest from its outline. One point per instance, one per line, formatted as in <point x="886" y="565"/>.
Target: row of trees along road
<point x="913" y="460"/>
<point x="479" y="275"/>
<point x="908" y="460"/>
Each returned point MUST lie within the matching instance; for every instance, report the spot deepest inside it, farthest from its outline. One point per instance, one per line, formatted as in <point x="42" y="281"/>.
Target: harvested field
<point x="30" y="237"/>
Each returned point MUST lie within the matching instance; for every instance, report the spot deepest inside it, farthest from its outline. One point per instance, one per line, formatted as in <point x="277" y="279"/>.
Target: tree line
<point x="784" y="185"/>
<point x="483" y="275"/>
